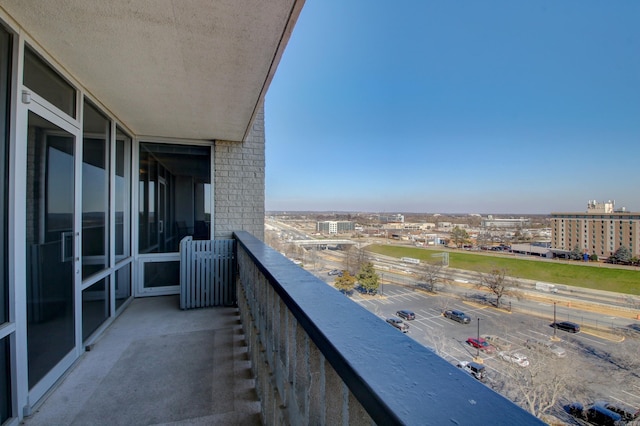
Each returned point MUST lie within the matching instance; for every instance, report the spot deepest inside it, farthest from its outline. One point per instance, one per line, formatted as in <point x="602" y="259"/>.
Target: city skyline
<point x="456" y="107"/>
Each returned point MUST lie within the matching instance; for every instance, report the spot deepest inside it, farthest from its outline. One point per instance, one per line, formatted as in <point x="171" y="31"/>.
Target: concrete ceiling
<point x="193" y="69"/>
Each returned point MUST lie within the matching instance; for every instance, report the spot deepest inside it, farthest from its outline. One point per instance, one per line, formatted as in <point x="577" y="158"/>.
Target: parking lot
<point x="595" y="368"/>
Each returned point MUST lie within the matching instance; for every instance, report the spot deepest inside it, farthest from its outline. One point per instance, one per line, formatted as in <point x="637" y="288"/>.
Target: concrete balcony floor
<point x="158" y="365"/>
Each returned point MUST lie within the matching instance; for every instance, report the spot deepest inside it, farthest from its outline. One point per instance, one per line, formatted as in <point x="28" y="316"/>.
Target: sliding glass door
<point x="51" y="238"/>
<point x="174" y="201"/>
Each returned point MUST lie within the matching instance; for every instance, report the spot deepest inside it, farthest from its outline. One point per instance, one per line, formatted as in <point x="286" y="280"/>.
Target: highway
<point x="597" y="309"/>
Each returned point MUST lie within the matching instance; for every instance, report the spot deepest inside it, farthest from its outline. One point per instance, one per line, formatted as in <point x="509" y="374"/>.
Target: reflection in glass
<point x="50" y="246"/>
<point x="95" y="191"/>
<point x="161" y="274"/>
<point x="174" y="195"/>
<point x="5" y="380"/>
<point x="5" y="60"/>
<point x="123" y="285"/>
<point x="122" y="194"/>
<point x="95" y="307"/>
<point x="46" y="82"/>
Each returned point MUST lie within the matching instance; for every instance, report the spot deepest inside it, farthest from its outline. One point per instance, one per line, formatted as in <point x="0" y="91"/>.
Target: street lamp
<point x="381" y="284"/>
<point x="478" y="348"/>
<point x="554" y="321"/>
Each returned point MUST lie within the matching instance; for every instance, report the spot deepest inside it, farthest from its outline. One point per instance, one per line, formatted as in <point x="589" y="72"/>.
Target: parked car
<point x="333" y="272"/>
<point x="407" y="315"/>
<point x="481" y="344"/>
<point x="547" y="346"/>
<point x="628" y="414"/>
<point x="399" y="324"/>
<point x="459" y="316"/>
<point x="363" y="290"/>
<point x="473" y="368"/>
<point x="497" y="341"/>
<point x="514" y="357"/>
<point x="596" y="414"/>
<point x="569" y="326"/>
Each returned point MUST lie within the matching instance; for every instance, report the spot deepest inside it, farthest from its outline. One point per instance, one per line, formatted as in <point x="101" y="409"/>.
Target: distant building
<point x="601" y="230"/>
<point x="596" y="207"/>
<point x="506" y="223"/>
<point x="335" y="227"/>
<point x="392" y="218"/>
<point x="412" y="226"/>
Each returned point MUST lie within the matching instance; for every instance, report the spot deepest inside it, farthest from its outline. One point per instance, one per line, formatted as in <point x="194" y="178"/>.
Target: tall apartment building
<point x="601" y="230"/>
<point x="335" y="227"/>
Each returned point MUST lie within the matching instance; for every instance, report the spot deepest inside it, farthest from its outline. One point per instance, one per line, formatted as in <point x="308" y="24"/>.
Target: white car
<point x="515" y="357"/>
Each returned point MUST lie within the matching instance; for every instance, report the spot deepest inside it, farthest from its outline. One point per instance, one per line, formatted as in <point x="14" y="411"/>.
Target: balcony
<point x="294" y="351"/>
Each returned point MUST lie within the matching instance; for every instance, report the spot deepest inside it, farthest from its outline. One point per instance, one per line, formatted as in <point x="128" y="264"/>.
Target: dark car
<point x="596" y="414"/>
<point x="360" y="289"/>
<point x="569" y="326"/>
<point x="628" y="414"/>
<point x="407" y="315"/>
<point x="599" y="415"/>
<point x="399" y="324"/>
<point x="459" y="316"/>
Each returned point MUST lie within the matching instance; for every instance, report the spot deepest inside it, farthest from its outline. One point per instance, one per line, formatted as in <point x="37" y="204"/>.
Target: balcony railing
<point x="320" y="358"/>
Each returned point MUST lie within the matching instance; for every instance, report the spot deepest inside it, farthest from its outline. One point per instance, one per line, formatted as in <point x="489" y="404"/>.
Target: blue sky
<point x="456" y="107"/>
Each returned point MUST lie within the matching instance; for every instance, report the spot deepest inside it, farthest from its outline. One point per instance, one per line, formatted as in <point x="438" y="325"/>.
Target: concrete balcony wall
<point x="294" y="381"/>
<point x="319" y="358"/>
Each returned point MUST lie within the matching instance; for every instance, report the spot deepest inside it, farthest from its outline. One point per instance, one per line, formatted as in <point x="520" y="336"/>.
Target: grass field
<point x="579" y="275"/>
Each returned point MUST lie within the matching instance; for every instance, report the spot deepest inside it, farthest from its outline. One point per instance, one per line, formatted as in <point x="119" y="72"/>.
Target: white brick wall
<point x="239" y="183"/>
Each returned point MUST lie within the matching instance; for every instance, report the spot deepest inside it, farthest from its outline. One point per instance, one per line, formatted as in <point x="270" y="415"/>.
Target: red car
<point x="481" y="344"/>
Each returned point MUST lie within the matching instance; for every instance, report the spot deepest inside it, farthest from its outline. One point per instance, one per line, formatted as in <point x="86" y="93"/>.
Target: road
<point x="596" y="309"/>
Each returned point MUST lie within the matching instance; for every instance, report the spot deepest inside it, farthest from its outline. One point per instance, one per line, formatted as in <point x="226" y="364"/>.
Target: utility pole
<point x="555" y="329"/>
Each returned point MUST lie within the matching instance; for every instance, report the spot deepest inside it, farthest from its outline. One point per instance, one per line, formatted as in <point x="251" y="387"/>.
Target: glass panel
<point x="123" y="195"/>
<point x="5" y="380"/>
<point x="95" y="191"/>
<point x="123" y="285"/>
<point x="42" y="79"/>
<point x="161" y="274"/>
<point x="95" y="307"/>
<point x="50" y="246"/>
<point x="5" y="60"/>
<point x="148" y="241"/>
<point x="175" y="195"/>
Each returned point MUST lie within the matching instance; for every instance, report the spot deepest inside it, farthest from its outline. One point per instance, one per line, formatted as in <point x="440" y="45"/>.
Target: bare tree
<point x="354" y="258"/>
<point x="497" y="282"/>
<point x="438" y="340"/>
<point x="483" y="239"/>
<point x="459" y="236"/>
<point x="547" y="381"/>
<point x="443" y="303"/>
<point x="312" y="254"/>
<point x="430" y="275"/>
<point x="272" y="239"/>
<point x="292" y="250"/>
<point x="540" y="386"/>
